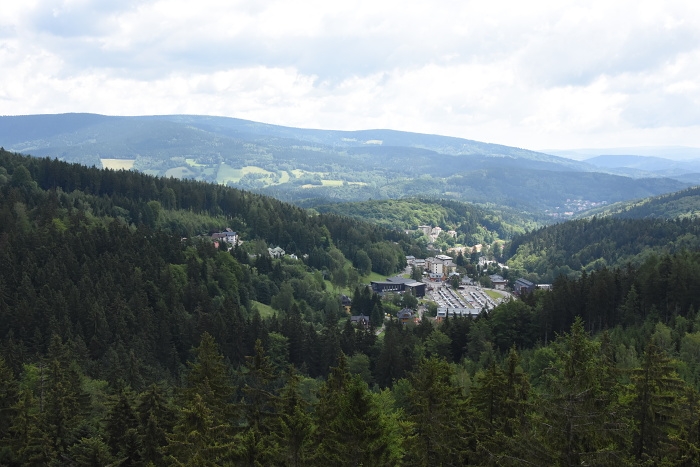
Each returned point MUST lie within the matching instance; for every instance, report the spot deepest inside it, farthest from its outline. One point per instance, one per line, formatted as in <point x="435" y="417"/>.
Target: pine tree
<point x="156" y="419"/>
<point x="438" y="412"/>
<point x="578" y="420"/>
<point x="656" y="390"/>
<point x="91" y="452"/>
<point x="255" y="445"/>
<point x="198" y="440"/>
<point x="208" y="378"/>
<point x="351" y="430"/>
<point x="122" y="433"/>
<point x="294" y="429"/>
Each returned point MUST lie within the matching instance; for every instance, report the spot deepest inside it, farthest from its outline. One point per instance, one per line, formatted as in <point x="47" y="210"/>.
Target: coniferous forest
<point x="128" y="338"/>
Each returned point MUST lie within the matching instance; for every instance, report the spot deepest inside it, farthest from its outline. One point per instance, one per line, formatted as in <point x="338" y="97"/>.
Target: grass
<point x="374" y="276"/>
<point x="118" y="164"/>
<point x="227" y="174"/>
<point x="493" y="294"/>
<point x="266" y="311"/>
<point x="193" y="163"/>
<point x="179" y="172"/>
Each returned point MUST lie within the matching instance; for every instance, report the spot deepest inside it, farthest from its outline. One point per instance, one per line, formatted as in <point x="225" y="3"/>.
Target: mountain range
<point x="311" y="167"/>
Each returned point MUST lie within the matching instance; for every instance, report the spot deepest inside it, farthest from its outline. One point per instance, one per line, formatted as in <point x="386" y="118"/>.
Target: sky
<point x="538" y="74"/>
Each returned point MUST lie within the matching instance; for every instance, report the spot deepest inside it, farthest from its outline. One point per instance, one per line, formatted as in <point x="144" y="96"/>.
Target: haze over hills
<point x="309" y="166"/>
<point x="676" y="153"/>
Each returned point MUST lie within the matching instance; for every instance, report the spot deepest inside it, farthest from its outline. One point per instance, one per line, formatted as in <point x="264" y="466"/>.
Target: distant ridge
<point x="299" y="165"/>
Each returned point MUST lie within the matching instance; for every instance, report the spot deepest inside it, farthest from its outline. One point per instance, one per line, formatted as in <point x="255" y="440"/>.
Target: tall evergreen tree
<point x="351" y="431"/>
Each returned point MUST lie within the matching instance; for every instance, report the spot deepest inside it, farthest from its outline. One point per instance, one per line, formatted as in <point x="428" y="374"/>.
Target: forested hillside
<point x="589" y="244"/>
<point x="305" y="165"/>
<point x="681" y="204"/>
<point x="126" y="339"/>
<point x="473" y="224"/>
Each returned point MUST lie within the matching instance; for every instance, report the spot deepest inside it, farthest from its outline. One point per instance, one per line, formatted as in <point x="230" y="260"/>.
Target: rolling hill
<point x="309" y="167"/>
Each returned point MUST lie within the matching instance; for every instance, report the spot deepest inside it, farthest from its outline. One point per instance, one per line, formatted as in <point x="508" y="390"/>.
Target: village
<point x="441" y="291"/>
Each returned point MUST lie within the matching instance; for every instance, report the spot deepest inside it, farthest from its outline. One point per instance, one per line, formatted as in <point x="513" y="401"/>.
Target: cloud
<point x="540" y="74"/>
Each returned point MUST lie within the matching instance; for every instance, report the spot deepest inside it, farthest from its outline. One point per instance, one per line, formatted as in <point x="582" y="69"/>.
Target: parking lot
<point x="467" y="297"/>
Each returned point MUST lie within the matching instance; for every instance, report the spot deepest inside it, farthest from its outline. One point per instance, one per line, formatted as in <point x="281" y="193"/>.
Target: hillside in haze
<point x="309" y="167"/>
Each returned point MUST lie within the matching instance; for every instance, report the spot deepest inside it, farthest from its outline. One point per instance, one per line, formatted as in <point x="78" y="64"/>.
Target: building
<point x="523" y="286"/>
<point x="399" y="285"/>
<point x="360" y="321"/>
<point x="410" y="260"/>
<point x="345" y="302"/>
<point x="406" y="316"/>
<point x="425" y="229"/>
<point x="499" y="283"/>
<point x="440" y="264"/>
<point x="228" y="236"/>
<point x="276" y="252"/>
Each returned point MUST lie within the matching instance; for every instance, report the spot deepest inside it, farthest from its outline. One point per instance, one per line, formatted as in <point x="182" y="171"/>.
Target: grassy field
<point x="374" y="276"/>
<point x="493" y="294"/>
<point x="118" y="164"/>
<point x="229" y="174"/>
<point x="180" y="172"/>
<point x="193" y="163"/>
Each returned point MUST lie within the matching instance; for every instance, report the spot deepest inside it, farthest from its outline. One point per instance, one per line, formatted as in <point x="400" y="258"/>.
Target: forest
<point x="126" y="338"/>
<point x="591" y="244"/>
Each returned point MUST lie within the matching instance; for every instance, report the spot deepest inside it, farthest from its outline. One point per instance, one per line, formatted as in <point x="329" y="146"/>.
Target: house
<point x="345" y="302"/>
<point x="276" y="252"/>
<point x="228" y="236"/>
<point x="425" y="229"/>
<point x="440" y="264"/>
<point x="499" y="283"/>
<point x="410" y="260"/>
<point x="405" y="316"/>
<point x="523" y="286"/>
<point x="441" y="314"/>
<point x="360" y="321"/>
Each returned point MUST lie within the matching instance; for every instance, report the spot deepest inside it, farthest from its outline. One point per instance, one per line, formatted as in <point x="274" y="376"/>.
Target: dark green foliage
<point x="438" y="413"/>
<point x="351" y="429"/>
<point x="122" y="344"/>
<point x="592" y="244"/>
<point x="656" y="389"/>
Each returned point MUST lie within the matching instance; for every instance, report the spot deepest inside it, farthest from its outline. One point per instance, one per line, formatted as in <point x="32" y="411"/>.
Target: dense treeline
<point x="92" y="266"/>
<point x="473" y="224"/>
<point x="680" y="204"/>
<point x="122" y="344"/>
<point x="589" y="244"/>
<point x="168" y="204"/>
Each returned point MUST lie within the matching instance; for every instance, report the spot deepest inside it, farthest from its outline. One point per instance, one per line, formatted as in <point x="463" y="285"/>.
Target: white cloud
<point x="537" y="74"/>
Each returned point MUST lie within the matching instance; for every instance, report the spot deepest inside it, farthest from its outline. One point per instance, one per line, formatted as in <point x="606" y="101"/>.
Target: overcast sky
<point x="530" y="74"/>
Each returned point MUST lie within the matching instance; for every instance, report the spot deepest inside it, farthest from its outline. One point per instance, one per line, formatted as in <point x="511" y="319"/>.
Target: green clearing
<point x="179" y="172"/>
<point x="374" y="276"/>
<point x="227" y="174"/>
<point x="300" y="173"/>
<point x="493" y="294"/>
<point x="194" y="163"/>
<point x="118" y="164"/>
<point x="266" y="311"/>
